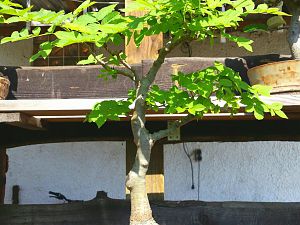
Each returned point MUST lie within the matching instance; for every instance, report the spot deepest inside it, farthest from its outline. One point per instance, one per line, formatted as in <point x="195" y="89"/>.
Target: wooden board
<point x="79" y="107"/>
<point x="199" y="131"/>
<point x="83" y="82"/>
<point x="22" y="120"/>
<point x="149" y="47"/>
<point x="64" y="83"/>
<point x="116" y="212"/>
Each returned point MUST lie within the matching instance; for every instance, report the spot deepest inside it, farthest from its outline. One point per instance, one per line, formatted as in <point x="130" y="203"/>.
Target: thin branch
<point x="109" y="68"/>
<point x="177" y="124"/>
<point x="124" y="63"/>
<point x="169" y="46"/>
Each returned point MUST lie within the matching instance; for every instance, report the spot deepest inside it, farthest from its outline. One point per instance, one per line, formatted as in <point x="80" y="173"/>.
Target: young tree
<point x="207" y="91"/>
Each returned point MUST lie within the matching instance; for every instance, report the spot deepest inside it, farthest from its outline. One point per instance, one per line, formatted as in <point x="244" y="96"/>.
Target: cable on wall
<point x="192" y="169"/>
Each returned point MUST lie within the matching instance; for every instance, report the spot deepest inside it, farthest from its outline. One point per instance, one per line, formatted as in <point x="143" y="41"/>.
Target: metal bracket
<point x="175" y="135"/>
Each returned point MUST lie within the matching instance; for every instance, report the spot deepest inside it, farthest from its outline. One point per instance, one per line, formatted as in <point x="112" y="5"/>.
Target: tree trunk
<point x="141" y="213"/>
<point x="294" y="32"/>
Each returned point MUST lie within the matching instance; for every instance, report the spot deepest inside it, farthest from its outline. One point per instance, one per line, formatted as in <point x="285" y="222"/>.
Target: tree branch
<point x="107" y="67"/>
<point x="169" y="46"/>
<point x="177" y="124"/>
<point x="122" y="61"/>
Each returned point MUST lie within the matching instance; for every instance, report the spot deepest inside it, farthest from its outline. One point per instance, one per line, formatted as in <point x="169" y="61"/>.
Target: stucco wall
<point x="16" y="54"/>
<point x="253" y="171"/>
<point x="264" y="43"/>
<point x="77" y="170"/>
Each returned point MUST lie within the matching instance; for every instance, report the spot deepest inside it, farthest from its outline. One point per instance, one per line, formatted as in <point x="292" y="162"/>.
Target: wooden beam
<point x="64" y="110"/>
<point x="21" y="120"/>
<point x="115" y="211"/>
<point x="3" y="170"/>
<point x="149" y="47"/>
<point x="196" y="131"/>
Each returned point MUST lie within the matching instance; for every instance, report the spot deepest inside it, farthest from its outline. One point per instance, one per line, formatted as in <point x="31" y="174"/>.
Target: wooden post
<point x="3" y="170"/>
<point x="149" y="47"/>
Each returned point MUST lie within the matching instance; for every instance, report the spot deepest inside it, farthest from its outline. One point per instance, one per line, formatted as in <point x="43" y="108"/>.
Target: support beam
<point x="3" y="170"/>
<point x="21" y="120"/>
<point x="149" y="47"/>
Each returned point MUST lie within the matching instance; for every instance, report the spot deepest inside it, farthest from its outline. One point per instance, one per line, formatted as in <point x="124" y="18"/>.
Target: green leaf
<point x="241" y="41"/>
<point x="255" y="27"/>
<point x="102" y="13"/>
<point x="258" y="115"/>
<point x="262" y="89"/>
<point x="281" y="114"/>
<point x="226" y="82"/>
<point x="82" y="7"/>
<point x="276" y="106"/>
<point x="36" y="31"/>
<point x="90" y="60"/>
<point x="113" y="28"/>
<point x="108" y="110"/>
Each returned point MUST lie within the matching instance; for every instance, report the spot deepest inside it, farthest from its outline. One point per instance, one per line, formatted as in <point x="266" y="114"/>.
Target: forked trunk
<point x="294" y="32"/>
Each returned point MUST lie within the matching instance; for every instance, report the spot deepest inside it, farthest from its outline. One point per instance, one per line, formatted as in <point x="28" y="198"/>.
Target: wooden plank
<point x="3" y="170"/>
<point x="290" y="101"/>
<point x="83" y="82"/>
<point x="22" y="120"/>
<point x="198" y="131"/>
<point x="116" y="212"/>
<point x="149" y="47"/>
<point x="67" y="82"/>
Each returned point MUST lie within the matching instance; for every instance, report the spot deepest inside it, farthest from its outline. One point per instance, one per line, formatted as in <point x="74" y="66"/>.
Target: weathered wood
<point x="200" y="131"/>
<point x="3" y="170"/>
<point x="83" y="82"/>
<point x="22" y="120"/>
<point x="78" y="108"/>
<point x="116" y="212"/>
<point x="64" y="82"/>
<point x="149" y="47"/>
<point x="191" y="64"/>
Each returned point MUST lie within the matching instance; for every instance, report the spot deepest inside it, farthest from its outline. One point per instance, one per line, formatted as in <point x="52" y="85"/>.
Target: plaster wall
<point x="264" y="43"/>
<point x="16" y="54"/>
<point x="249" y="171"/>
<point x="77" y="170"/>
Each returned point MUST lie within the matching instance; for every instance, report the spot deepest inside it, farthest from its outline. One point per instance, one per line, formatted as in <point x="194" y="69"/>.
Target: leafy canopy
<point x="197" y="93"/>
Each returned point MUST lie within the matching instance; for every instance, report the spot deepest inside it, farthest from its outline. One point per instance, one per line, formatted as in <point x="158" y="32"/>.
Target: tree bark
<point x="294" y="31"/>
<point x="141" y="213"/>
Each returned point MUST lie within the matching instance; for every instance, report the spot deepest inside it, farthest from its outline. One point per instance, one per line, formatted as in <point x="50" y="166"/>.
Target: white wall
<point x="251" y="171"/>
<point x="77" y="170"/>
<point x="16" y="54"/>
